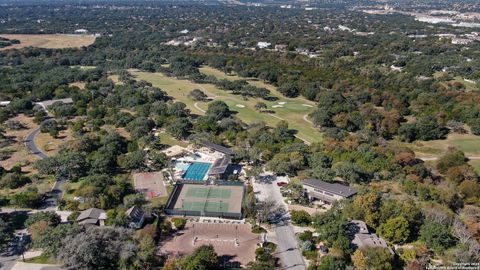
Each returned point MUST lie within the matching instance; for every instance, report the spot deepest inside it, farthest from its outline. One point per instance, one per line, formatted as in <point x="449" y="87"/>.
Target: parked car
<point x="281" y="184"/>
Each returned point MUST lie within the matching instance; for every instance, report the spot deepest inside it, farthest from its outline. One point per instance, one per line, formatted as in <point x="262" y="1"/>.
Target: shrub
<point x="179" y="223"/>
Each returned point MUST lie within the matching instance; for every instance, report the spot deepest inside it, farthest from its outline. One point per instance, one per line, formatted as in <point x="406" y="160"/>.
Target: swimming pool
<point x="196" y="171"/>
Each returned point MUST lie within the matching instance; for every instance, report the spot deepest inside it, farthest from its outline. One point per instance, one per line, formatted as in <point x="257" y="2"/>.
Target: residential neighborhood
<point x="239" y="134"/>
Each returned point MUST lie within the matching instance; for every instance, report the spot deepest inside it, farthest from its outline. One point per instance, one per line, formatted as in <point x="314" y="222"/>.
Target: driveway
<point x="288" y="250"/>
<point x="56" y="191"/>
<point x="30" y="144"/>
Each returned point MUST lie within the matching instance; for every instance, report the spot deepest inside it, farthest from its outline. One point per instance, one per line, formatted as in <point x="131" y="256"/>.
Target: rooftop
<point x="334" y="188"/>
<point x="219" y="148"/>
<point x="220" y="166"/>
<point x="91" y="215"/>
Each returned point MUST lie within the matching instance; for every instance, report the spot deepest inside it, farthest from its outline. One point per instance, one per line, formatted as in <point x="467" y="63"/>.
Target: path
<point x="30" y="144"/>
<point x="305" y="117"/>
<point x="283" y="234"/>
<point x="436" y="158"/>
<point x="270" y="114"/>
<point x="56" y="190"/>
<point x="198" y="108"/>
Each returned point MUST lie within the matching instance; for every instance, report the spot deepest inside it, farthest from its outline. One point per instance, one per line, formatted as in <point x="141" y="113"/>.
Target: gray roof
<point x="334" y="188"/>
<point x="363" y="240"/>
<point x="134" y="213"/>
<point x="92" y="213"/>
<point x="220" y="165"/>
<point x="358" y="226"/>
<point x="219" y="148"/>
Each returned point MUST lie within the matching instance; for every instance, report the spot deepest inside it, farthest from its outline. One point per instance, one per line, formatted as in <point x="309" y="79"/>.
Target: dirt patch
<point x="52" y="41"/>
<point x="80" y="85"/>
<point x="51" y="145"/>
<point x="220" y="236"/>
<point x="19" y="152"/>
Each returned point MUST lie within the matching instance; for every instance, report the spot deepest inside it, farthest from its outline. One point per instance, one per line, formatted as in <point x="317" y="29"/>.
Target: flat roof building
<point x="219" y="148"/>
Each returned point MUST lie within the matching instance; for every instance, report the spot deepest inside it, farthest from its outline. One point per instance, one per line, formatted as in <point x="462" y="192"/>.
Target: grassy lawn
<point x="475" y="164"/>
<point x="50" y="41"/>
<point x="51" y="145"/>
<point x="42" y="259"/>
<point x="468" y="143"/>
<point x="292" y="110"/>
<point x="167" y="139"/>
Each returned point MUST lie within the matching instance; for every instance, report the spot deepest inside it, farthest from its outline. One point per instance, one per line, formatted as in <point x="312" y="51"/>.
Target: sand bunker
<point x="307" y="105"/>
<point x="240" y="106"/>
<point x="282" y="103"/>
<point x="277" y="106"/>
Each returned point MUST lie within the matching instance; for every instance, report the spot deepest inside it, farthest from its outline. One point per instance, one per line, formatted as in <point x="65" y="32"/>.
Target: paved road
<point x="13" y="251"/>
<point x="288" y="250"/>
<point x="30" y="144"/>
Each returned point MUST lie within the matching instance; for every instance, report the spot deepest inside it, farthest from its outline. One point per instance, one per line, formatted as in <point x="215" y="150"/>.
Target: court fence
<point x="176" y="192"/>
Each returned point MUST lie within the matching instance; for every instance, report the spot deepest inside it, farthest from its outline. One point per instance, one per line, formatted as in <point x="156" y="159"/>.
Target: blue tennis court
<point x="196" y="171"/>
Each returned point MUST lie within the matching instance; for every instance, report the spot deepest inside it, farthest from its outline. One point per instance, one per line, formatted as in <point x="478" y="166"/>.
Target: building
<point x="175" y="151"/>
<point x="327" y="192"/>
<point x="362" y="238"/>
<point x="135" y="217"/>
<point x="263" y="45"/>
<point x="219" y="168"/>
<point x="92" y="216"/>
<point x="216" y="147"/>
<point x="222" y="200"/>
<point x="81" y="31"/>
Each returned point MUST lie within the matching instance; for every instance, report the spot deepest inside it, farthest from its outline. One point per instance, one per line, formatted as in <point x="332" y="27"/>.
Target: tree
<point x="13" y="180"/>
<point x="452" y="158"/>
<point x="95" y="248"/>
<point x="218" y="110"/>
<point x="395" y="230"/>
<point x="198" y="95"/>
<point x="51" y="217"/>
<point x="38" y="228"/>
<point x="203" y="258"/>
<point x="301" y="217"/>
<point x="436" y="236"/>
<point x="261" y="265"/>
<point x="179" y="223"/>
<point x="377" y="258"/>
<point x="331" y="263"/>
<point x="260" y="106"/>
<point x="51" y="240"/>
<point x="270" y="211"/>
<point x="180" y="128"/>
<point x="134" y="161"/>
<point x="289" y="89"/>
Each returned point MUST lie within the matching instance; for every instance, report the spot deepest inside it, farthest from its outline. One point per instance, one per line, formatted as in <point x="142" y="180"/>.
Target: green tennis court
<point x="208" y="206"/>
<point x="214" y="193"/>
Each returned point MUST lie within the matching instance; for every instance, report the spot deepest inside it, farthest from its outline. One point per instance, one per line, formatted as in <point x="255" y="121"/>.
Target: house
<point x="263" y="45"/>
<point x="81" y="31"/>
<point x="135" y="217"/>
<point x="327" y="192"/>
<point x="92" y="216"/>
<point x="362" y="238"/>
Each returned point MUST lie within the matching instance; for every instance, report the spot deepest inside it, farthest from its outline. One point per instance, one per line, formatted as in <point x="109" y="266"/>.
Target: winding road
<point x="32" y="147"/>
<point x="56" y="191"/>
